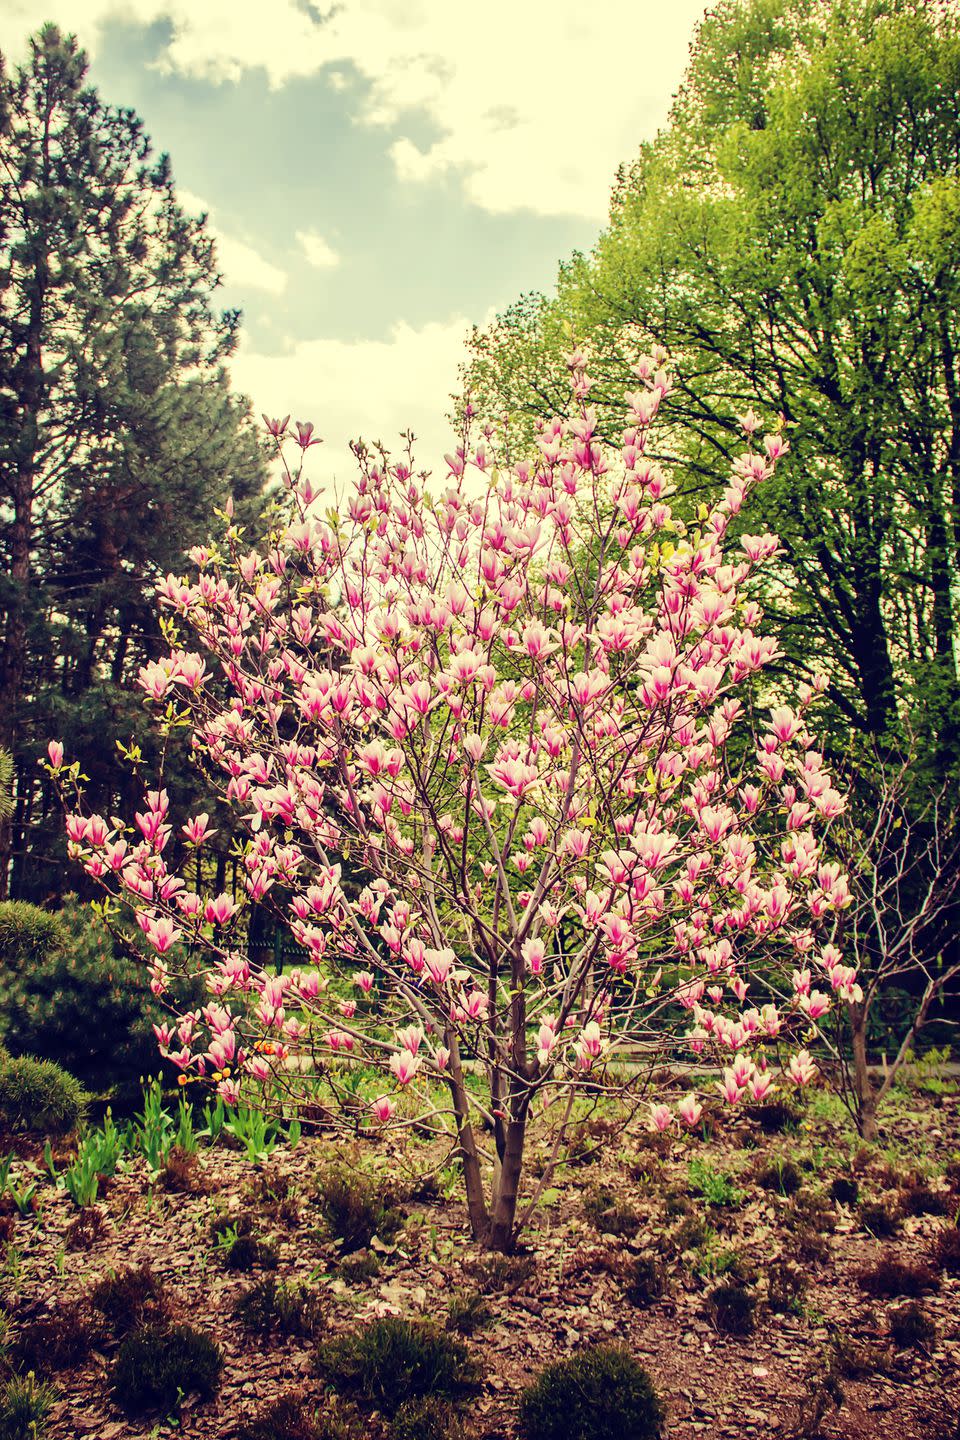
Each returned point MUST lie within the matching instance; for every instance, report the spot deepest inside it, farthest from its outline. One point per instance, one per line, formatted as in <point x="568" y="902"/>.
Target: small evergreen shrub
<point x="238" y="1246"/>
<point x="355" y="1206"/>
<point x="27" y="935"/>
<point x="602" y="1392"/>
<point x="501" y="1274"/>
<point x="786" y="1287"/>
<point x="844" y="1190"/>
<point x="644" y="1280"/>
<point x="391" y="1361"/>
<point x="732" y="1308"/>
<point x="890" y="1277"/>
<point x="467" y="1312"/>
<point x="608" y="1213"/>
<point x="291" y="1418"/>
<point x="85" y="1003"/>
<point x="129" y="1299"/>
<point x="40" y="1097"/>
<point x="781" y="1176"/>
<point x="272" y="1307"/>
<point x="921" y="1200"/>
<point x="947" y="1252"/>
<point x="775" y="1116"/>
<point x="426" y="1419"/>
<point x="911" y="1328"/>
<point x="57" y="1342"/>
<point x="159" y="1364"/>
<point x="25" y="1406"/>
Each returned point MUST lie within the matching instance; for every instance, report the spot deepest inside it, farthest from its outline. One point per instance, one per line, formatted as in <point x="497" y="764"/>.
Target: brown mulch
<point x="716" y="1386"/>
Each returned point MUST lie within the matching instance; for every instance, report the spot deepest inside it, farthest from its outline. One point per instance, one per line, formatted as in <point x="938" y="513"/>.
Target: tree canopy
<point x="793" y="238"/>
<point x="119" y="433"/>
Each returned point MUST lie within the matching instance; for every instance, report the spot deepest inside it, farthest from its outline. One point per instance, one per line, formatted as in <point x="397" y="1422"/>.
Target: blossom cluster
<point x="512" y="763"/>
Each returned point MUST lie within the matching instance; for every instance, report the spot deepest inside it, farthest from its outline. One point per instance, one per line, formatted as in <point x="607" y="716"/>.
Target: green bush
<point x="39" y="1096"/>
<point x="24" y="1408"/>
<point x="426" y="1419"/>
<point x="27" y="935"/>
<point x="129" y="1298"/>
<point x="272" y="1307"/>
<point x="289" y="1418"/>
<point x="391" y="1361"/>
<point x="599" y="1393"/>
<point x="82" y="1003"/>
<point x="355" y="1206"/>
<point x="159" y="1364"/>
<point x="733" y="1308"/>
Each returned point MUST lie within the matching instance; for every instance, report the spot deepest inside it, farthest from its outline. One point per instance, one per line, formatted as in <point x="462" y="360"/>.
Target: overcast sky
<point x="381" y="174"/>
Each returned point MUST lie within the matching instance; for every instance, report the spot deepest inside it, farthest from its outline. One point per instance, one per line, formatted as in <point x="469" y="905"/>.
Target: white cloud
<point x="369" y="389"/>
<point x="534" y="104"/>
<point x="318" y="253"/>
<point x="241" y="265"/>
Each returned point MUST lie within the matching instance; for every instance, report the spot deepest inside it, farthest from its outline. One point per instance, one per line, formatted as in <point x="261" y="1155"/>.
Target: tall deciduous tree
<point x="793" y="238"/>
<point x="118" y="430"/>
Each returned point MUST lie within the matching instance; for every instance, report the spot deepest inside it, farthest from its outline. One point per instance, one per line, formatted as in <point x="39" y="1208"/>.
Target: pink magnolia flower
<point x="690" y="1110"/>
<point x="404" y="1066"/>
<point x="383" y="1108"/>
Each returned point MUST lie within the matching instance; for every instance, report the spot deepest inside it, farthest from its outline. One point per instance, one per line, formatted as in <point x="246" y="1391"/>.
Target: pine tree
<point x="118" y="429"/>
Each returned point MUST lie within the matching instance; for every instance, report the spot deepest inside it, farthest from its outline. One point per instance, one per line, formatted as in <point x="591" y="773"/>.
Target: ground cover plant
<point x="768" y="1312"/>
<point x="508" y="777"/>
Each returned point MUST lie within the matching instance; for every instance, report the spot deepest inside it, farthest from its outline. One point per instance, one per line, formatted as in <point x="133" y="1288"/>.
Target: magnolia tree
<point x="507" y="768"/>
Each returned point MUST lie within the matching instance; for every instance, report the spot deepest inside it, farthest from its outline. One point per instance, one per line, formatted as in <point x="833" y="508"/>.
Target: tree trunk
<point x="504" y="1212"/>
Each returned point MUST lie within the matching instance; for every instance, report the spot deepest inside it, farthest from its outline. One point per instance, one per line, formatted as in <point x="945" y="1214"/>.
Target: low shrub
<point x="426" y="1419"/>
<point x="501" y="1274"/>
<point x="781" y="1176"/>
<point x="159" y="1364"/>
<point x="85" y="1003"/>
<point x="786" y="1286"/>
<point x="891" y="1276"/>
<point x="355" y="1206"/>
<point x="391" y="1361"/>
<point x="56" y="1342"/>
<point x="238" y="1246"/>
<point x="40" y="1097"/>
<point x="130" y="1298"/>
<point x="608" y="1213"/>
<point x="468" y="1311"/>
<point x="25" y="1405"/>
<point x="291" y="1418"/>
<point x="911" y="1328"/>
<point x="644" y="1280"/>
<point x="844" y="1190"/>
<point x="880" y="1219"/>
<point x="776" y="1116"/>
<point x="947" y="1251"/>
<point x="602" y="1392"/>
<point x="921" y="1200"/>
<point x="732" y="1308"/>
<point x="272" y="1307"/>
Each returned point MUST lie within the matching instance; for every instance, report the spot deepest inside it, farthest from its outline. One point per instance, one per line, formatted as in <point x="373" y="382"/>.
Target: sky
<point x="380" y="174"/>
